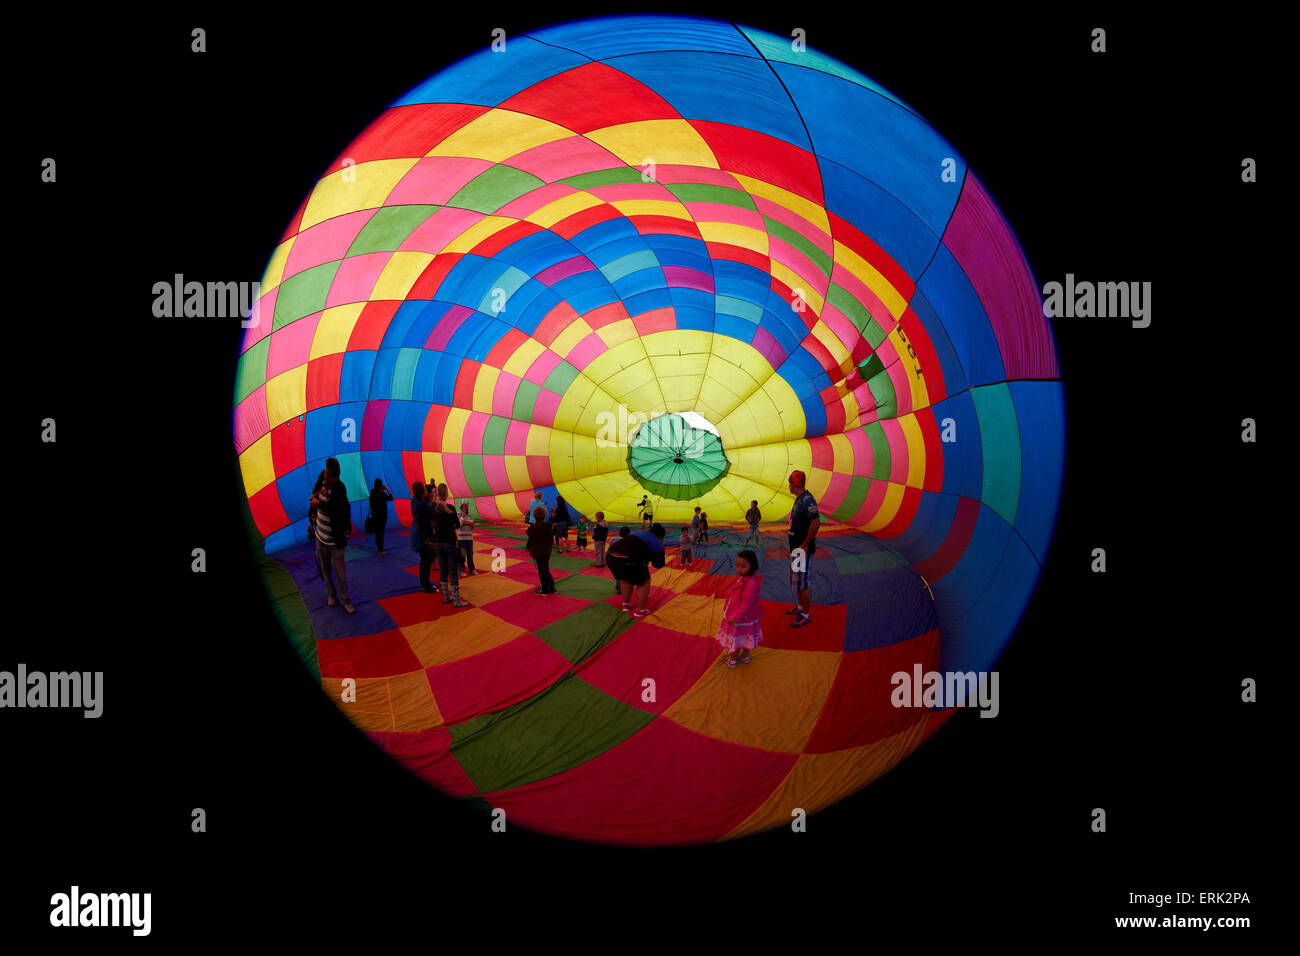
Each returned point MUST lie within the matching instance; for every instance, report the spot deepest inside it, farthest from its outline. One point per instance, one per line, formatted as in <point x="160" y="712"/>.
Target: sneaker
<point x="349" y="608"/>
<point x="641" y="612"/>
<point x="732" y="662"/>
<point x="459" y="603"/>
<point x="801" y="621"/>
<point x="538" y="591"/>
<point x="549" y="593"/>
<point x="795" y="610"/>
<point x="744" y="658"/>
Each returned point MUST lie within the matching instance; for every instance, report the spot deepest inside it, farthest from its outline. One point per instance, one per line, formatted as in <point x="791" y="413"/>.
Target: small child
<point x="686" y="546"/>
<point x="695" y="525"/>
<point x="465" y="540"/>
<point x="753" y="516"/>
<point x="742" y="616"/>
<point x="704" y="526"/>
<point x="599" y="533"/>
<point x="581" y="530"/>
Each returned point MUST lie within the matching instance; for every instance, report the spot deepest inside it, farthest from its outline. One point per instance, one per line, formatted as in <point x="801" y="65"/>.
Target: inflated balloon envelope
<point x="664" y="216"/>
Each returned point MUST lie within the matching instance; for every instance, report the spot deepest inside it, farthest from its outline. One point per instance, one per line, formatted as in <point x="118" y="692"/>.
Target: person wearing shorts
<point x="629" y="560"/>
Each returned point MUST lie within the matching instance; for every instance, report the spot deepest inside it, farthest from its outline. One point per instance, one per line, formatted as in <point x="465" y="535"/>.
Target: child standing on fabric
<point x="540" y="537"/>
<point x="581" y="529"/>
<point x="465" y="539"/>
<point x="704" y="526"/>
<point x="686" y="546"/>
<point x="753" y="516"/>
<point x="695" y="525"/>
<point x="599" y="534"/>
<point x="742" y="616"/>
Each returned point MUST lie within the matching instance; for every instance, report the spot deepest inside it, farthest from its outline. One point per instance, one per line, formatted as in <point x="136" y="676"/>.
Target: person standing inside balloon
<point x="753" y="516"/>
<point x="599" y="535"/>
<point x="804" y="522"/>
<point x="465" y="540"/>
<point x="629" y="560"/>
<point x="742" y="616"/>
<point x="445" y="524"/>
<point x="422" y="532"/>
<point x="333" y="525"/>
<point x="647" y="514"/>
<point x="562" y="521"/>
<point x="539" y="549"/>
<point x="695" y="526"/>
<point x="379" y="498"/>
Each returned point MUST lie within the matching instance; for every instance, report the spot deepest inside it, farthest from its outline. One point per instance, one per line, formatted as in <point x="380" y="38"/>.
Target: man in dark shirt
<point x="422" y="532"/>
<point x="804" y="522"/>
<point x="539" y="549"/>
<point x="629" y="559"/>
<point x="333" y="525"/>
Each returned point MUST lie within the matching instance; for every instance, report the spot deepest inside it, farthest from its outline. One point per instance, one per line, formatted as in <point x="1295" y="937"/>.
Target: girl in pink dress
<point x="742" y="616"/>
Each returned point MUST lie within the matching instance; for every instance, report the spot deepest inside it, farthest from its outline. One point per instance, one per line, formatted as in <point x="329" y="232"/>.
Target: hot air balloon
<point x="667" y="257"/>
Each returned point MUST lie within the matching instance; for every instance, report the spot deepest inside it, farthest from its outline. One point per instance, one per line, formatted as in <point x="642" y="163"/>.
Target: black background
<point x="1121" y="690"/>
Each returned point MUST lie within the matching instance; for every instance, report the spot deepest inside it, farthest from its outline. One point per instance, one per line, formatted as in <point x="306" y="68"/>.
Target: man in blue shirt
<point x="629" y="559"/>
<point x="804" y="522"/>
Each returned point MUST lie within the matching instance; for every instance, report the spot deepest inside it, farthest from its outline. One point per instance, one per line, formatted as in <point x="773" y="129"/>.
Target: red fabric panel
<point x="431" y="279"/>
<point x="494" y="243"/>
<point x="504" y="350"/>
<point x="715" y="787"/>
<point x="532" y="611"/>
<point x="673" y="660"/>
<point x="824" y="633"/>
<point x="288" y="446"/>
<point x="858" y="710"/>
<point x="570" y="226"/>
<point x="591" y="96"/>
<point x="408" y="131"/>
<point x="267" y="510"/>
<point x="385" y="654"/>
<point x="427" y="754"/>
<point x="954" y="546"/>
<point x="414" y="608"/>
<point x="933" y="479"/>
<point x="495" y="679"/>
<point x="371" y="325"/>
<point x="760" y="156"/>
<point x="864" y="246"/>
<point x="323" y="380"/>
<point x="906" y="512"/>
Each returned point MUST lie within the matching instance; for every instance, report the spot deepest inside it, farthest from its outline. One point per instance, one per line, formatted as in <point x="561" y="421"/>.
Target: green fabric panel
<point x="493" y="188"/>
<point x="500" y="531"/>
<point x="287" y="602"/>
<point x="1000" y="438"/>
<point x="565" y="725"/>
<point x="403" y="387"/>
<point x="252" y="369"/>
<point x="389" y="227"/>
<point x="561" y="378"/>
<point x="706" y="192"/>
<point x="303" y="294"/>
<point x="857" y="494"/>
<point x="581" y="634"/>
<point x="587" y="587"/>
<point x="565" y="562"/>
<point x="475" y="475"/>
<point x="882" y="389"/>
<point x="604" y="177"/>
<point x="351" y="473"/>
<point x="871" y="367"/>
<point x="525" y="401"/>
<point x="880" y="466"/>
<point x="494" y="436"/>
<point x="873" y="333"/>
<point x="854" y="310"/>
<point x="800" y="242"/>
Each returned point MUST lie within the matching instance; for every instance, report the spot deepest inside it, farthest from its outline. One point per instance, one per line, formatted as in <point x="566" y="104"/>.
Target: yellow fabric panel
<point x="255" y="465"/>
<point x="916" y="383"/>
<point x="373" y="181"/>
<point x="454" y="637"/>
<point x="809" y="210"/>
<point x="402" y="703"/>
<point x="574" y="404"/>
<point x="561" y="452"/>
<point x="617" y="332"/>
<point x="613" y="361"/>
<point x="335" y="329"/>
<point x="454" y="431"/>
<point x="822" y="332"/>
<point x="562" y="208"/>
<point x="538" y="441"/>
<point x="275" y="268"/>
<point x="432" y="461"/>
<point x="874" y="281"/>
<point x="915" y="450"/>
<point x="506" y="504"/>
<point x="665" y="142"/>
<point x="786" y="420"/>
<point x="517" y="472"/>
<point x="399" y="274"/>
<point x="673" y="578"/>
<point x="499" y="134"/>
<point x="843" y="452"/>
<point x="286" y="395"/>
<point x="852" y="412"/>
<point x="681" y="378"/>
<point x="735" y="234"/>
<point x="523" y="357"/>
<point x="817" y="781"/>
<point x="484" y="387"/>
<point x="772" y="703"/>
<point x="485" y="228"/>
<point x="651" y="207"/>
<point x="742" y="355"/>
<point x="698" y="614"/>
<point x="888" y="508"/>
<point x="813" y="300"/>
<point x="573" y="333"/>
